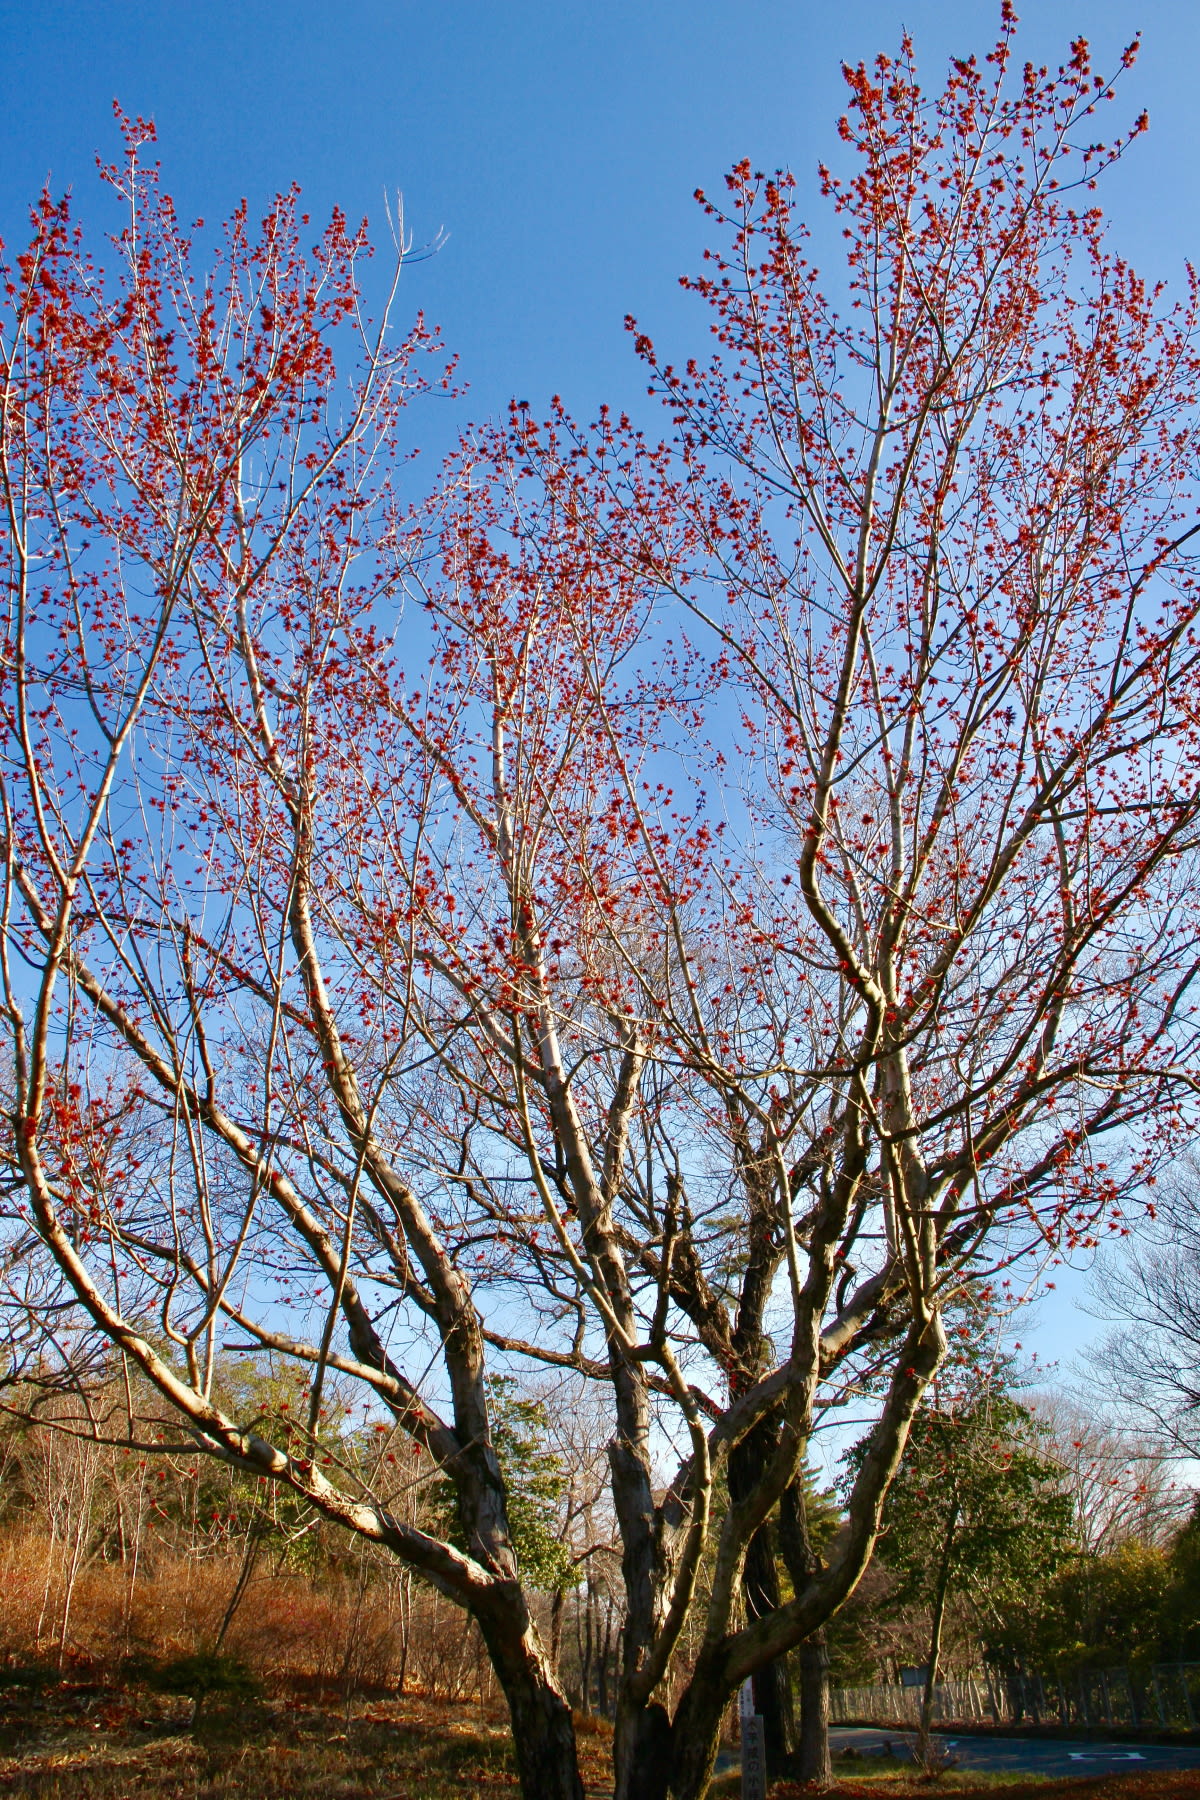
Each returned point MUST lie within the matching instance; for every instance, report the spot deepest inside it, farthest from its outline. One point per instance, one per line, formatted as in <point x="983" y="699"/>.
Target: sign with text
<point x="754" y="1755"/>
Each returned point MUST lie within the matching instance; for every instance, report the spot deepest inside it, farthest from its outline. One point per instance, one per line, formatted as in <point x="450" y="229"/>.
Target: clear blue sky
<point x="556" y="144"/>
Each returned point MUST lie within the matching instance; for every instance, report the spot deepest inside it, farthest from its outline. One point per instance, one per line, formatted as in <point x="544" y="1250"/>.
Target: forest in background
<point x="1068" y="1543"/>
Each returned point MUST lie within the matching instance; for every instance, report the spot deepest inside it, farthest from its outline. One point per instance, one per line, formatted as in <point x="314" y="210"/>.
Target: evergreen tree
<point x="976" y="1510"/>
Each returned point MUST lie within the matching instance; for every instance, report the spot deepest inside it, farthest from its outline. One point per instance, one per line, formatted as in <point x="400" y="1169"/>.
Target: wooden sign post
<point x="754" y="1755"/>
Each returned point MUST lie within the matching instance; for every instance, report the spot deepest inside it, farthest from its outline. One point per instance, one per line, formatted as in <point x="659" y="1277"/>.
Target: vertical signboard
<point x="754" y="1759"/>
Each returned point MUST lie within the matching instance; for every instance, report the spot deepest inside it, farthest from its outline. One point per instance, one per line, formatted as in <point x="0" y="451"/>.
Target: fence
<point x="891" y="1704"/>
<point x="1165" y="1695"/>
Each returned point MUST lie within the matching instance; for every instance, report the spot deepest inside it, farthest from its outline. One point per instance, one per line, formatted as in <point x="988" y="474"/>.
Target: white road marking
<point x="1106" y="1756"/>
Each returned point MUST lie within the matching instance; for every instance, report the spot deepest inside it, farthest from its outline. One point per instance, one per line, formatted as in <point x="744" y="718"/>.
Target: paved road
<point x="1027" y="1756"/>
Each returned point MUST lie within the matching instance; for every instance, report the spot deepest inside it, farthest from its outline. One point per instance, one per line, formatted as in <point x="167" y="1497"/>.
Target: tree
<point x="1103" y="1609"/>
<point x="1126" y="1600"/>
<point x="937" y="547"/>
<point x="196" y="512"/>
<point x="535" y="1481"/>
<point x="977" y="1509"/>
<point x="1148" y="1364"/>
<point x="678" y="913"/>
<point x="1117" y="1472"/>
<point x="1180" y="1619"/>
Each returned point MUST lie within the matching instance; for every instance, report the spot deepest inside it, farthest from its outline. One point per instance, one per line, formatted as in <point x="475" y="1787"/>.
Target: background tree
<point x="1148" y="1363"/>
<point x="1121" y="1477"/>
<point x="415" y="990"/>
<point x="536" y="1482"/>
<point x="1104" y="1609"/>
<point x="976" y="1509"/>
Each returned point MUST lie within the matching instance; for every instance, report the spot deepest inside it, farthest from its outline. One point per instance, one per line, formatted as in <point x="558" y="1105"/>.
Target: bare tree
<point x="1121" y="1477"/>
<point x="1147" y="1364"/>
<point x="936" y="979"/>
<point x="179" y="466"/>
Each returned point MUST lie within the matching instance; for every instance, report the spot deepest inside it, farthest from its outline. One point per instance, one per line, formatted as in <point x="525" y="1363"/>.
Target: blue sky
<point x="557" y="146"/>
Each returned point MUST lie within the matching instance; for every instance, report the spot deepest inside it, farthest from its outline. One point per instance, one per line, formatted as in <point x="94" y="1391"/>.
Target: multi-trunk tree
<point x="674" y="913"/>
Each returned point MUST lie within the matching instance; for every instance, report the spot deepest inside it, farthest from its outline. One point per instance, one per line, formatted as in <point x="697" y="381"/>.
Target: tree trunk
<point x="935" y="1634"/>
<point x="543" y="1730"/>
<point x="642" y="1741"/>
<point x="72" y="1576"/>
<point x="772" y="1684"/>
<point x="604" y="1684"/>
<point x="812" y="1763"/>
<point x="544" y="1737"/>
<point x="761" y="1593"/>
<point x="695" y="1736"/>
<point x="585" y="1656"/>
<point x="404" y="1614"/>
<point x="696" y="1732"/>
<point x="556" y="1624"/>
<point x="249" y="1558"/>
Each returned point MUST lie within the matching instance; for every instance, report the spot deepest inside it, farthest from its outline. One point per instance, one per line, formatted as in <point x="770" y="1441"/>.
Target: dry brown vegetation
<point x="304" y="1698"/>
<point x="340" y="1680"/>
<point x="83" y="1739"/>
<point x="341" y="1629"/>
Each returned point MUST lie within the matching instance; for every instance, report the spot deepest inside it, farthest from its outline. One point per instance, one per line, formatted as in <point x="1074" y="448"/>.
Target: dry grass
<point x="77" y="1741"/>
<point x="288" y="1627"/>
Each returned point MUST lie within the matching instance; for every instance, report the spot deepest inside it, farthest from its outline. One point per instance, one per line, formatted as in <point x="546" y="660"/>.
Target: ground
<point x="76" y="1739"/>
<point x="1168" y="1786"/>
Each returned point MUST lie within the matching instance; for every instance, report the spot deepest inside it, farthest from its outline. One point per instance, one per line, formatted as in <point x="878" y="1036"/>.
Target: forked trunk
<point x="696" y="1731"/>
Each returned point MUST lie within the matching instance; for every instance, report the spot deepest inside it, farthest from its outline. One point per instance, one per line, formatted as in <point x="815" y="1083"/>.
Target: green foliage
<point x="1114" y="1603"/>
<point x="822" y="1510"/>
<point x="1180" y="1634"/>
<point x="1138" y="1603"/>
<point x="226" y="1503"/>
<point x="978" y="1491"/>
<point x="535" y="1482"/>
<point x="852" y="1636"/>
<point x="976" y="1487"/>
<point x="977" y="1505"/>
